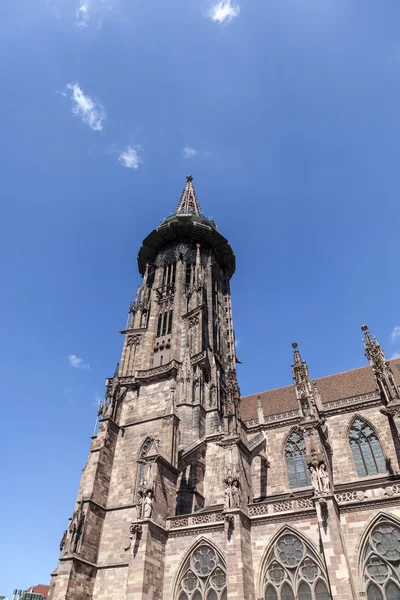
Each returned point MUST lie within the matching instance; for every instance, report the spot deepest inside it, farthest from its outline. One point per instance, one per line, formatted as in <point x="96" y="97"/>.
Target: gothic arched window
<point x="381" y="562"/>
<point x="296" y="465"/>
<point x="142" y="454"/>
<point x="203" y="576"/>
<point x="291" y="565"/>
<point x="366" y="449"/>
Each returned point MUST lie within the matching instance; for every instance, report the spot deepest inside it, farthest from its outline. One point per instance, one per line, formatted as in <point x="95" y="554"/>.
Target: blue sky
<point x="286" y="112"/>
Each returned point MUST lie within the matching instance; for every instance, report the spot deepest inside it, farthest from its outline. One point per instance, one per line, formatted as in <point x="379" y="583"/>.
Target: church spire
<point x="381" y="367"/>
<point x="303" y="386"/>
<point x="188" y="203"/>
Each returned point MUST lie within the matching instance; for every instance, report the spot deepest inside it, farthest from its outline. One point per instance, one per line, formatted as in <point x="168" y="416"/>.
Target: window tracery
<point x="381" y="562"/>
<point x="366" y="449"/>
<point x="295" y="451"/>
<point x="293" y="570"/>
<point x="203" y="576"/>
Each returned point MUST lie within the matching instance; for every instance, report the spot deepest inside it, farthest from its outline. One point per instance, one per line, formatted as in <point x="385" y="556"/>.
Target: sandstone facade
<point x="191" y="492"/>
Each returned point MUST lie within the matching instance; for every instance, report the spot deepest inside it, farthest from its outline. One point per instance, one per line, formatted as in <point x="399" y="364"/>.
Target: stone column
<point x="239" y="561"/>
<point x="146" y="563"/>
<point x="337" y="564"/>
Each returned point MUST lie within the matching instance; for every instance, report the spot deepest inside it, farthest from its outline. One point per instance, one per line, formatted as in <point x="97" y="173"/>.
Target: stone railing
<point x="351" y="400"/>
<point x="291" y="414"/>
<point x="281" y="506"/>
<point x="368" y="494"/>
<point x="195" y="519"/>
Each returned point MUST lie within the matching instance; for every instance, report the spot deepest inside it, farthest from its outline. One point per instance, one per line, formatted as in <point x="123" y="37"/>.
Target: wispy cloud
<point x="395" y="334"/>
<point x="83" y="14"/>
<point x="224" y="11"/>
<point x="395" y="355"/>
<point x="91" y="112"/>
<point x="189" y="152"/>
<point x="76" y="362"/>
<point x="90" y="13"/>
<point x="237" y="344"/>
<point x="130" y="157"/>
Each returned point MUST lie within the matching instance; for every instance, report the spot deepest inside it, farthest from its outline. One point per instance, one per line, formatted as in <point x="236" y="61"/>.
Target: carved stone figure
<point x="227" y="497"/>
<point x="235" y="494"/>
<point x="76" y="528"/>
<point x="63" y="541"/>
<point x="148" y="505"/>
<point x="139" y="505"/>
<point x="314" y="480"/>
<point x="325" y="484"/>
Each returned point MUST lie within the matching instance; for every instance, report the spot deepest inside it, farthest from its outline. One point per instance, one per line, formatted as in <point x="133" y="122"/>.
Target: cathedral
<point x="192" y="492"/>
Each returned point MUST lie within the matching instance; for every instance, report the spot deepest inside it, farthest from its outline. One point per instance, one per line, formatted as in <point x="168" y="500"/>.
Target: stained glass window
<point x="381" y="553"/>
<point x="392" y="591"/>
<point x="203" y="576"/>
<point x="374" y="592"/>
<point x="321" y="591"/>
<point x="296" y="461"/>
<point x="304" y="591"/>
<point x="270" y="593"/>
<point x="293" y="565"/>
<point x="366" y="449"/>
<point x="287" y="592"/>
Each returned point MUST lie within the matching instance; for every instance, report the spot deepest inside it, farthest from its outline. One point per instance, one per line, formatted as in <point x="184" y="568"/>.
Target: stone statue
<point x="148" y="505"/>
<point x="315" y="480"/>
<point x="325" y="484"/>
<point x="235" y="494"/>
<point x="227" y="498"/>
<point x="63" y="541"/>
<point x="132" y="533"/>
<point x="139" y="506"/>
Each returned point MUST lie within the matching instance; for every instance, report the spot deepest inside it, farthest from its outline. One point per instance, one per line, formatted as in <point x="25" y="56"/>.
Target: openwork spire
<point x="300" y="375"/>
<point x="188" y="204"/>
<point x="381" y="367"/>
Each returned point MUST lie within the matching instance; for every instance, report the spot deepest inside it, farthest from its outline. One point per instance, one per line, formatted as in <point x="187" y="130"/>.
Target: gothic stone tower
<point x="169" y="429"/>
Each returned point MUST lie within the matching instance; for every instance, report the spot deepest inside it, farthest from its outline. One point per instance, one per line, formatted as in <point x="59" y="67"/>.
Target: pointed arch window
<point x="142" y="454"/>
<point x="296" y="465"/>
<point x="203" y="576"/>
<point x="381" y="562"/>
<point x="366" y="449"/>
<point x="292" y="565"/>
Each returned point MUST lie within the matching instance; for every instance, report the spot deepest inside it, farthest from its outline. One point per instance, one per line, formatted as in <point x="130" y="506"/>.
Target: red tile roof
<point x="333" y="387"/>
<point x="40" y="589"/>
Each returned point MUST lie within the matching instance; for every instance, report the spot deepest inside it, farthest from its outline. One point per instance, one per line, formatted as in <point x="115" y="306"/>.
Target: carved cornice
<point x="128" y="380"/>
<point x="351" y="403"/>
<point x="154" y="373"/>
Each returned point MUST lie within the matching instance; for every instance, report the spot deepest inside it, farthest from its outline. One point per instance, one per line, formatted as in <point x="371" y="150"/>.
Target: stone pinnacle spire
<point x="188" y="202"/>
<point x="381" y="367"/>
<point x="306" y="393"/>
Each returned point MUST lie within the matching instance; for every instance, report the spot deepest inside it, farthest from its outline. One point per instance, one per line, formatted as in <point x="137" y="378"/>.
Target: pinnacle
<point x="188" y="202"/>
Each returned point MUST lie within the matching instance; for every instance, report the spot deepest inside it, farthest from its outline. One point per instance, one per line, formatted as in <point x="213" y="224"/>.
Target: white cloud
<point x="82" y="14"/>
<point x="224" y="11"/>
<point x="76" y="362"/>
<point x="237" y="344"/>
<point x="91" y="112"/>
<point x="395" y="355"/>
<point x="395" y="334"/>
<point x="189" y="152"/>
<point x="130" y="158"/>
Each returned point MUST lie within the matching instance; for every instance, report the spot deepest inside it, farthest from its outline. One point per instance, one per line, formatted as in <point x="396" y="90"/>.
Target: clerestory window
<point x="366" y="449"/>
<point x="296" y="465"/>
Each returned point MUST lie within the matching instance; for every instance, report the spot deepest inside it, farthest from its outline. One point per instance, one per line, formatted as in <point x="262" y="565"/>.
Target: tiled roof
<point x="39" y="589"/>
<point x="333" y="387"/>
